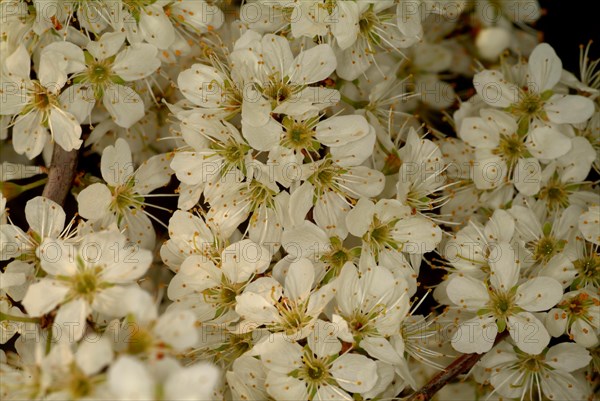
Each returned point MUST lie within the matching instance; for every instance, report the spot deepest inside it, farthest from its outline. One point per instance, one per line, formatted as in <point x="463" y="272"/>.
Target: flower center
<point x="315" y="371"/>
<point x="379" y="236"/>
<point x="367" y="22"/>
<point x="324" y="178"/>
<point x="234" y="346"/>
<point x="555" y="193"/>
<point x="502" y="304"/>
<point x="294" y="316"/>
<point x="42" y="98"/>
<point x="533" y="363"/>
<point x="223" y="297"/>
<point x="139" y="342"/>
<point x="588" y="271"/>
<point x="86" y="282"/>
<point x="260" y="195"/>
<point x="80" y="385"/>
<point x="511" y="148"/>
<point x="278" y="91"/>
<point x="136" y="6"/>
<point x="546" y="247"/>
<point x="99" y="72"/>
<point x="233" y="153"/>
<point x="530" y="105"/>
<point x="299" y="136"/>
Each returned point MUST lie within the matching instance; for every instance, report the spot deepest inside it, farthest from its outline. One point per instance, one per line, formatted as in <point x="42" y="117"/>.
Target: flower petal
<point x="44" y="296"/>
<point x="94" y="201"/>
<point x="539" y="294"/>
<point x="475" y="335"/>
<point x="528" y="333"/>
<point x="124" y="105"/>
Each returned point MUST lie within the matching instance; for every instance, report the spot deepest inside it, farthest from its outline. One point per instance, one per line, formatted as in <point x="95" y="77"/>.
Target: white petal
<point x="108" y="45"/>
<point x="305" y="240"/>
<point x="130" y="262"/>
<point x="313" y="65"/>
<point x="156" y="27"/>
<point x="545" y="68"/>
<point x="528" y="333"/>
<point x="584" y="334"/>
<point x="322" y="339"/>
<point x="243" y="259"/>
<point x="547" y="143"/>
<point x="568" y="357"/>
<point x="539" y="294"/>
<point x="29" y="136"/>
<point x="346" y="27"/>
<point x="589" y="223"/>
<point x="94" y="201"/>
<point x="19" y="62"/>
<point x="381" y="349"/>
<point x="569" y="109"/>
<point x="417" y="234"/>
<point x="255" y="308"/>
<point x="71" y="55"/>
<point x="71" y="320"/>
<point x="285" y="388"/>
<point x="279" y="354"/>
<point x="201" y="85"/>
<point x="110" y="301"/>
<point x="65" y="129"/>
<point x="177" y="328"/>
<point x="333" y="393"/>
<point x="79" y="101"/>
<point x="124" y="105"/>
<point x="556" y="322"/>
<point x="299" y="280"/>
<point x="196" y="382"/>
<point x="116" y="163"/>
<point x="356" y="152"/>
<point x="339" y="130"/>
<point x="44" y="296"/>
<point x="504" y="268"/>
<point x="500" y="227"/>
<point x="360" y="217"/>
<point x="256" y="109"/>
<point x="45" y="217"/>
<point x="92" y="356"/>
<point x="57" y="257"/>
<point x="467" y="292"/>
<point x="277" y="54"/>
<point x="128" y="379"/>
<point x="495" y="89"/>
<point x="559" y="385"/>
<point x="136" y="62"/>
<point x="355" y="373"/>
<point x="475" y="132"/>
<point x="264" y="137"/>
<point x="153" y="173"/>
<point x="475" y="335"/>
<point x="528" y="176"/>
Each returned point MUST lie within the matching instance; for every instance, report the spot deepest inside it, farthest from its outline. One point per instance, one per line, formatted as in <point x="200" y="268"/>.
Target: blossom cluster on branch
<point x="295" y="200"/>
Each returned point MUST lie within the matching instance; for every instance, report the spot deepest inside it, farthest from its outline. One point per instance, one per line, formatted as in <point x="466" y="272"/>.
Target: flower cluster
<point x="267" y="192"/>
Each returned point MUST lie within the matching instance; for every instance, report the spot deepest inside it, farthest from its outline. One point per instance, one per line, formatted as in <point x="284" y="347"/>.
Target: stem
<point x="61" y="174"/>
<point x="356" y="104"/>
<point x="23" y="319"/>
<point x="35" y="184"/>
<point x="460" y="365"/>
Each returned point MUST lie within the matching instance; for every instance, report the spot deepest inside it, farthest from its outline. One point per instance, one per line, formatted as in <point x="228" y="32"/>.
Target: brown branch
<point x="61" y="173"/>
<point x="459" y="366"/>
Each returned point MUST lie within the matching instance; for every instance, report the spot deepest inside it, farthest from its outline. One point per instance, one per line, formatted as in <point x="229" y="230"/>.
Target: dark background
<point x="566" y="24"/>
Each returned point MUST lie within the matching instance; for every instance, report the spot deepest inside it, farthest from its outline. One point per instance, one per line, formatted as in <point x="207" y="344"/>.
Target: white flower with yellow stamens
<point x="122" y="200"/>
